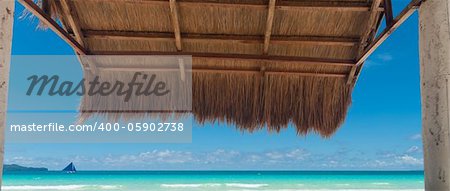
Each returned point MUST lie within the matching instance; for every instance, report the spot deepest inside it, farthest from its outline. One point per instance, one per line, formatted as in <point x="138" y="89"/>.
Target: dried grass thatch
<point x="317" y="104"/>
<point x="270" y="92"/>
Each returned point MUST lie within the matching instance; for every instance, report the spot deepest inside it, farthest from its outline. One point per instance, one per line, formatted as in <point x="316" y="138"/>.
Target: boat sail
<point x="70" y="168"/>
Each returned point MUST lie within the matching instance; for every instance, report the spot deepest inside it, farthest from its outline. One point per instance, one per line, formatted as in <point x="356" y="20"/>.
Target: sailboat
<point x="70" y="168"/>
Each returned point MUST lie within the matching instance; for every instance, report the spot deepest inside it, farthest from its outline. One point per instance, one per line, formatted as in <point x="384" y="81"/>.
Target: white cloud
<point x="380" y="163"/>
<point x="414" y="149"/>
<point x="409" y="160"/>
<point x="274" y="155"/>
<point x="221" y="156"/>
<point x="416" y="137"/>
<point x="384" y="57"/>
<point x="298" y="154"/>
<point x="295" y="158"/>
<point x="378" y="59"/>
<point x="369" y="63"/>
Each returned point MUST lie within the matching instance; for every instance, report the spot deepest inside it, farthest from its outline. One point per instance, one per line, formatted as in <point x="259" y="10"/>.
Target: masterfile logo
<point x="125" y="99"/>
<point x="104" y="88"/>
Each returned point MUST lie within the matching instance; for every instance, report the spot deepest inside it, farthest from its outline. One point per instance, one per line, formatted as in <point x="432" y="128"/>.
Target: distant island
<point x="18" y="168"/>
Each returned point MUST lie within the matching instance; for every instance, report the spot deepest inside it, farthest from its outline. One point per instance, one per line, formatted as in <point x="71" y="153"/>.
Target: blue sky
<point x="381" y="132"/>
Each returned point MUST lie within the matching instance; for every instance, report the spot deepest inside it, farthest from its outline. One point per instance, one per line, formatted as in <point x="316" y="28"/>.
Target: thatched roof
<point x="291" y="60"/>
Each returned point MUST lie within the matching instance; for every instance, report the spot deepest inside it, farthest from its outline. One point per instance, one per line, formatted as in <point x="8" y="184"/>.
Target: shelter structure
<point x="256" y="63"/>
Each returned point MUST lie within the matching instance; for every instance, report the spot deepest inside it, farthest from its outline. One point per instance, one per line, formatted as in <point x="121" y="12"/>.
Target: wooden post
<point x="435" y="89"/>
<point x="6" y="26"/>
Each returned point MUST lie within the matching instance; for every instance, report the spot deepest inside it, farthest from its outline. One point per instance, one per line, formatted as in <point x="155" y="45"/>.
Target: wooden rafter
<point x="406" y="12"/>
<point x="388" y="15"/>
<point x="46" y="19"/>
<point x="245" y="39"/>
<point x="284" y="5"/>
<point x="175" y="23"/>
<point x="73" y="21"/>
<point x="371" y="28"/>
<point x="79" y="48"/>
<point x="293" y="59"/>
<point x="371" y="25"/>
<point x="201" y="70"/>
<point x="269" y="24"/>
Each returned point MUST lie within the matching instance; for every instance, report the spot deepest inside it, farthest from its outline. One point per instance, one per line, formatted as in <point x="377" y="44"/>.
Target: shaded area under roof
<point x="269" y="63"/>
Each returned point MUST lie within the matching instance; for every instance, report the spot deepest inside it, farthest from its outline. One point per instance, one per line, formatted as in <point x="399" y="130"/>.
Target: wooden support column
<point x="434" y="48"/>
<point x="6" y="28"/>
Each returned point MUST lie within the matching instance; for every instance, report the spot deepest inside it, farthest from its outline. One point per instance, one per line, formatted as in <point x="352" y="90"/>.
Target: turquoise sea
<point x="216" y="180"/>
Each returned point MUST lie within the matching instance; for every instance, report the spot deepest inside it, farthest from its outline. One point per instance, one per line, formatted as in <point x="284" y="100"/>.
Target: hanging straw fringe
<point x="312" y="104"/>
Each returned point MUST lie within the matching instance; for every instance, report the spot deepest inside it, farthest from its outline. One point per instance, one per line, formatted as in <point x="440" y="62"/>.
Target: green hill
<point x="15" y="168"/>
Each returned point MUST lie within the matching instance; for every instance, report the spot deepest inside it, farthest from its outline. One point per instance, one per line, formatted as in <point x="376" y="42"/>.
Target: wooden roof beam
<point x="234" y="71"/>
<point x="293" y="59"/>
<point x="78" y="43"/>
<point x="175" y="23"/>
<point x="73" y="21"/>
<point x="284" y="5"/>
<point x="371" y="29"/>
<point x="269" y="24"/>
<point x="267" y="34"/>
<point x="406" y="12"/>
<point x="388" y="15"/>
<point x="47" y="20"/>
<point x="246" y="39"/>
<point x="371" y="25"/>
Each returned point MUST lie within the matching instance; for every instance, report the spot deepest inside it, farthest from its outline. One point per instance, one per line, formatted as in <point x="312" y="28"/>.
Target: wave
<point x="241" y="185"/>
<point x="61" y="187"/>
<point x="57" y="187"/>
<point x="381" y="183"/>
<point x="343" y="184"/>
<point x="189" y="185"/>
<point x="235" y="185"/>
<point x="109" y="187"/>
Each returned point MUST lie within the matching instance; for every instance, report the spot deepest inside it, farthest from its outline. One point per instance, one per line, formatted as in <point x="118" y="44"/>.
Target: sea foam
<point x="62" y="187"/>
<point x="241" y="185"/>
<point x="189" y="185"/>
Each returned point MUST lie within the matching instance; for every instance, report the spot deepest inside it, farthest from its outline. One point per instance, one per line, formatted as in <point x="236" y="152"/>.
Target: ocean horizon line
<point x="100" y="170"/>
